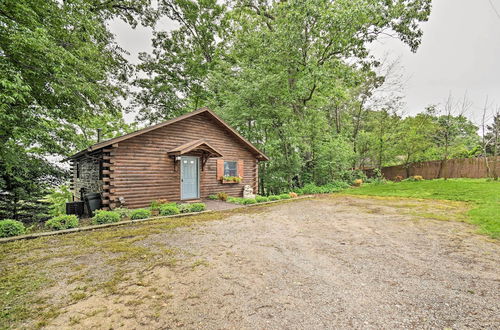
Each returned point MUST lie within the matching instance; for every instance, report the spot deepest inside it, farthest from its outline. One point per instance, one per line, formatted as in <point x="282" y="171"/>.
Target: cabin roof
<point x="260" y="155"/>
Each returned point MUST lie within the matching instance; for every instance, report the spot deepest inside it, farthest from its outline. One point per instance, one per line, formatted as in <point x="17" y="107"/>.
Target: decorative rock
<point x="248" y="192"/>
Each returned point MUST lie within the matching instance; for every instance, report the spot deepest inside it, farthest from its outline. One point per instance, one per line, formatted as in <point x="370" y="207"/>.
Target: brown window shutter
<point x="240" y="168"/>
<point x="220" y="168"/>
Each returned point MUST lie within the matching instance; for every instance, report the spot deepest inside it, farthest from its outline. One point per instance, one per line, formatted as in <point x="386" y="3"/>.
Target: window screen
<point x="230" y="168"/>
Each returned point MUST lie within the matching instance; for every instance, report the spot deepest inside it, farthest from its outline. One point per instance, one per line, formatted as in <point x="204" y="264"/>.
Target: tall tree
<point x="60" y="73"/>
<point x="176" y="72"/>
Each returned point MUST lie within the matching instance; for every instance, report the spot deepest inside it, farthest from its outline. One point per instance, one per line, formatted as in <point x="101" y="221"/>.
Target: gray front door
<point x="190" y="180"/>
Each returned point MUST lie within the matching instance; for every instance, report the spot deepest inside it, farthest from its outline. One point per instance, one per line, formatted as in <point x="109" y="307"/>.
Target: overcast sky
<point x="460" y="52"/>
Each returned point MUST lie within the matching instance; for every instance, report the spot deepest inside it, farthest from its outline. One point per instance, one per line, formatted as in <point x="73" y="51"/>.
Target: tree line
<point x="296" y="78"/>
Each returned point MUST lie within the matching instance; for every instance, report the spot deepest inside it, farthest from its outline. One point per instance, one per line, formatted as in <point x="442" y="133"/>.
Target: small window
<point x="77" y="170"/>
<point x="230" y="168"/>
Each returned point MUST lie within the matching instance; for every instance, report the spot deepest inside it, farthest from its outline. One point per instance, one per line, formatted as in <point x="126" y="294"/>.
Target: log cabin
<point x="183" y="159"/>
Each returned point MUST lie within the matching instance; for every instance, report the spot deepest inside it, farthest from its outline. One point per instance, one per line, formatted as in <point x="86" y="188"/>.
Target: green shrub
<point x="285" y="196"/>
<point x="169" y="209"/>
<point x="184" y="208"/>
<point x="235" y="200"/>
<point x="123" y="212"/>
<point x="156" y="205"/>
<point x="213" y="197"/>
<point x="140" y="214"/>
<point x="274" y="198"/>
<point x="261" y="199"/>
<point x="102" y="216"/>
<point x="197" y="207"/>
<point x="9" y="227"/>
<point x="62" y="222"/>
<point x="331" y="187"/>
<point x="247" y="201"/>
<point x="57" y="198"/>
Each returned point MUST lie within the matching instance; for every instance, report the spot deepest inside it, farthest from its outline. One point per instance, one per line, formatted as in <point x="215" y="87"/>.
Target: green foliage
<point x="140" y="214"/>
<point x="325" y="189"/>
<point x="261" y="199"/>
<point x="62" y="222"/>
<point x="274" y="198"/>
<point x="284" y="196"/>
<point x="197" y="207"/>
<point x="61" y="77"/>
<point x="184" y="208"/>
<point x="123" y="212"/>
<point x="213" y="197"/>
<point x="484" y="196"/>
<point x="240" y="200"/>
<point x="289" y="76"/>
<point x="169" y="209"/>
<point x="57" y="198"/>
<point x="102" y="216"/>
<point x="9" y="227"/>
<point x="156" y="205"/>
<point x="194" y="207"/>
<point x="236" y="179"/>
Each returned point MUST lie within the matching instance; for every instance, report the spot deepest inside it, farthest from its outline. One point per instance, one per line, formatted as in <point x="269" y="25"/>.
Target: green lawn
<point x="482" y="194"/>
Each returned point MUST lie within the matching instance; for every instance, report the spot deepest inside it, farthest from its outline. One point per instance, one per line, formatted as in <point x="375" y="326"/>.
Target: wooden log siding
<point x="141" y="170"/>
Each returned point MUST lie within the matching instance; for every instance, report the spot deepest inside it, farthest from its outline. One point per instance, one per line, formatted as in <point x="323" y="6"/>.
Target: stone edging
<point x="128" y="222"/>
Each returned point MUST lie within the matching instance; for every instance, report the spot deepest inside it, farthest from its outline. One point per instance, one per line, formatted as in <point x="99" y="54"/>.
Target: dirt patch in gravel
<point x="336" y="262"/>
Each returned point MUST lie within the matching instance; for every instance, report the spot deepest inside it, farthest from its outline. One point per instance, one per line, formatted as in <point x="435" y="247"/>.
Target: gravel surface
<point x="321" y="263"/>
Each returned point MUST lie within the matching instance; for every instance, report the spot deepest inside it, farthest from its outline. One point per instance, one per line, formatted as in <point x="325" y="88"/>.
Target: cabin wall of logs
<point x="136" y="171"/>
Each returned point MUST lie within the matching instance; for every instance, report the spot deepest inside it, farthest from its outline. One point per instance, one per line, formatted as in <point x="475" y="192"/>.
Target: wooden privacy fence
<point x="453" y="168"/>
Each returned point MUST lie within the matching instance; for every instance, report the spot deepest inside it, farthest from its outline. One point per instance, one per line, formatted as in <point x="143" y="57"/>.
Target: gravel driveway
<point x="343" y="262"/>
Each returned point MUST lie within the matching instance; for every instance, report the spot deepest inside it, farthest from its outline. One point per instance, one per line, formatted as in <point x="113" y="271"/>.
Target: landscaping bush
<point x="102" y="216"/>
<point x="261" y="199"/>
<point x="197" y="207"/>
<point x="169" y="209"/>
<point x="9" y="227"/>
<point x="123" y="212"/>
<point x="222" y="196"/>
<point x="236" y="200"/>
<point x="284" y="196"/>
<point x="274" y="198"/>
<point x="248" y="201"/>
<point x="62" y="222"/>
<point x="213" y="197"/>
<point x="331" y="187"/>
<point x="156" y="205"/>
<point x="184" y="208"/>
<point x="140" y="214"/>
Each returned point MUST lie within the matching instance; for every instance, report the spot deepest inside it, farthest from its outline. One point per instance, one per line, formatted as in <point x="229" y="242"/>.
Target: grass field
<point x="482" y="194"/>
